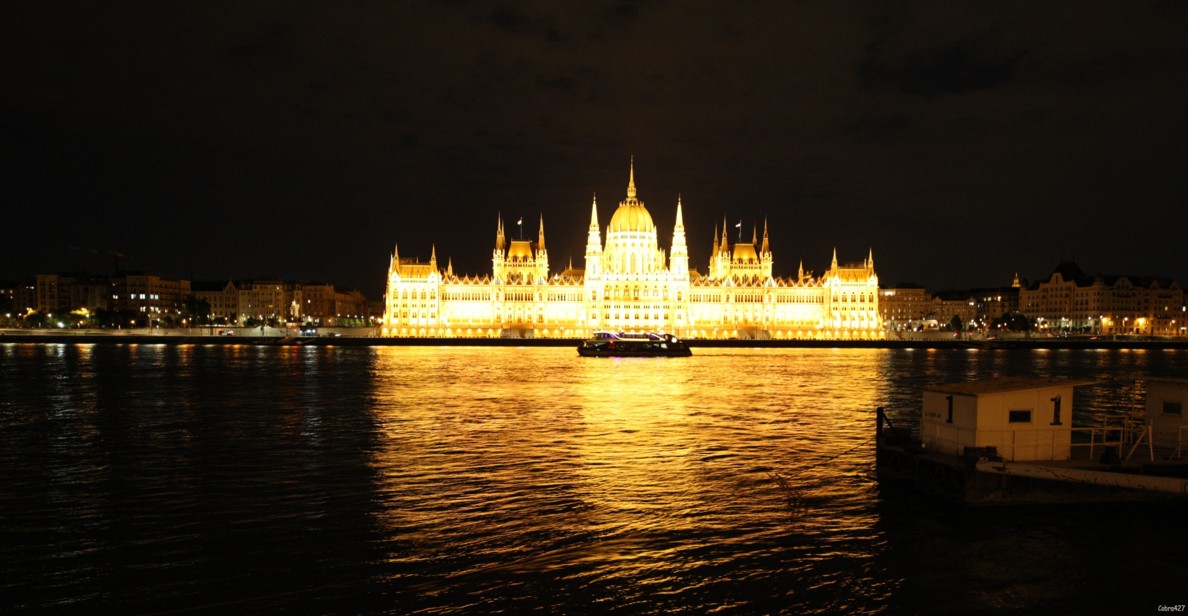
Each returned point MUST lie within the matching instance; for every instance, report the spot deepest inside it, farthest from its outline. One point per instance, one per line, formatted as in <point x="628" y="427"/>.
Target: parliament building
<point x="629" y="284"/>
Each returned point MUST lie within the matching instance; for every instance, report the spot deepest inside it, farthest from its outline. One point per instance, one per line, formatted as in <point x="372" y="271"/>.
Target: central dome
<point x="631" y="215"/>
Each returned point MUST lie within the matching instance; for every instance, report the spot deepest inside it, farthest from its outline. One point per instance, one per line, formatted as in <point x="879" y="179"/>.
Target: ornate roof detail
<point x="632" y="215"/>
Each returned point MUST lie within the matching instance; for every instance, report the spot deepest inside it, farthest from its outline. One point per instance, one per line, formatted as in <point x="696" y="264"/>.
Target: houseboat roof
<point x="1166" y="379"/>
<point x="994" y="386"/>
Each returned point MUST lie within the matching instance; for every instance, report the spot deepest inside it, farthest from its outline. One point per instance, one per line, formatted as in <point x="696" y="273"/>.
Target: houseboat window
<point x="1173" y="408"/>
<point x="1019" y="416"/>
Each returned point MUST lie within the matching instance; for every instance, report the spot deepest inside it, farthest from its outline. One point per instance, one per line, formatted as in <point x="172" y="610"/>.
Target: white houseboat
<point x="1013" y="441"/>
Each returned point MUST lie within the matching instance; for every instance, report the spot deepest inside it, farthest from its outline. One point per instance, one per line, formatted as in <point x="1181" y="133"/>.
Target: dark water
<point x="210" y="479"/>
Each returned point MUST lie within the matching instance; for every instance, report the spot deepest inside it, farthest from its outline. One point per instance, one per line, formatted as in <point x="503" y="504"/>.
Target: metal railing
<point x="1100" y="437"/>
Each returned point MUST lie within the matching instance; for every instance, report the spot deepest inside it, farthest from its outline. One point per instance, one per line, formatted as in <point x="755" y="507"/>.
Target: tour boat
<point x="612" y="344"/>
<point x="1011" y="441"/>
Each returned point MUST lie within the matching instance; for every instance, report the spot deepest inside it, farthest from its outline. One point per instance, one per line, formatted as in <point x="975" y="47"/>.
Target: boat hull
<point x="621" y="352"/>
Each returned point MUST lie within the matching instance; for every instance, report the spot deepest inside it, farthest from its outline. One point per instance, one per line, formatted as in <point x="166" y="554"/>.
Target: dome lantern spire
<point x="631" y="180"/>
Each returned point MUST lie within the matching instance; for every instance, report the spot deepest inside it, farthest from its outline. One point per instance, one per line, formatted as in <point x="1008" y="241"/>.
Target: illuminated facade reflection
<point x="630" y="284"/>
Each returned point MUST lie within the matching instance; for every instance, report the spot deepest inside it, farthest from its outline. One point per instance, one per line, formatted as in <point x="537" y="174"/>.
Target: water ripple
<point x="151" y="478"/>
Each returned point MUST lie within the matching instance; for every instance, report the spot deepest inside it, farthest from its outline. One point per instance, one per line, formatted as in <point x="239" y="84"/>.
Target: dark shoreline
<point x="1032" y="343"/>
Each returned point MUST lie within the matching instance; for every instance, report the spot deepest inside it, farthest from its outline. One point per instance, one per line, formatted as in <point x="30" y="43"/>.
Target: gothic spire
<point x="540" y="242"/>
<point x="678" y="232"/>
<point x="593" y="237"/>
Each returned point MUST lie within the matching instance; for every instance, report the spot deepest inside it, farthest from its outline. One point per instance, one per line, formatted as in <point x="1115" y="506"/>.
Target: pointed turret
<point x="766" y="247"/>
<point x="834" y="264"/>
<point x="499" y="254"/>
<point x="594" y="237"/>
<point x="678" y="263"/>
<point x="433" y="257"/>
<point x="593" y="243"/>
<point x="542" y="254"/>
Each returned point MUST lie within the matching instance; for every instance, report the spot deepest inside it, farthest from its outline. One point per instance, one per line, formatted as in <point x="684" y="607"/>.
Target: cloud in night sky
<point x="962" y="143"/>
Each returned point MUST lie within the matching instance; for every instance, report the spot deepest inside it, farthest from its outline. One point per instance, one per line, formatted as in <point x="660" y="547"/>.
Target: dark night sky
<point x="962" y="142"/>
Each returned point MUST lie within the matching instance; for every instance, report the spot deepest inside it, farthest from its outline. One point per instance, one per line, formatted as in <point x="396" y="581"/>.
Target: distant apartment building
<point x="8" y="294"/>
<point x="948" y="306"/>
<point x="995" y="303"/>
<point x="222" y="299"/>
<point x="241" y="301"/>
<point x="153" y="299"/>
<point x="909" y="307"/>
<point x="264" y="300"/>
<point x="1070" y="300"/>
<point x="69" y="292"/>
<point x="152" y="296"/>
<point x="149" y="296"/>
<point x="318" y="299"/>
<point x="904" y="307"/>
<point x="66" y="292"/>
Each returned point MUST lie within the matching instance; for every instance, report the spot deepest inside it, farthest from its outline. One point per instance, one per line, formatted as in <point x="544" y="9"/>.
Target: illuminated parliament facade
<point x="629" y="284"/>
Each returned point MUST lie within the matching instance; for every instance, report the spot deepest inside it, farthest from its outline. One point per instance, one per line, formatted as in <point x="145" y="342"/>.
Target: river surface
<point x="455" y="480"/>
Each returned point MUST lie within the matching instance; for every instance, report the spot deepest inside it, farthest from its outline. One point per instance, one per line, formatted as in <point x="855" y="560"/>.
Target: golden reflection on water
<point x="515" y="449"/>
